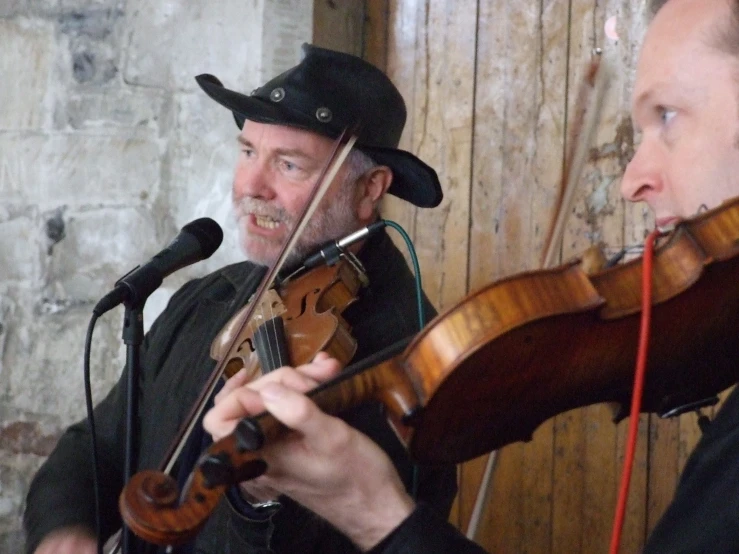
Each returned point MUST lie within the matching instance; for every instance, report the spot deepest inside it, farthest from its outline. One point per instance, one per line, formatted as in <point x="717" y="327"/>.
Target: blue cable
<point x="416" y="269"/>
<point x="421" y="317"/>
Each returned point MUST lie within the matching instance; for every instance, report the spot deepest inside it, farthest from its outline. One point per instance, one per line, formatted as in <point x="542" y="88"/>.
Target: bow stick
<point x="588" y="106"/>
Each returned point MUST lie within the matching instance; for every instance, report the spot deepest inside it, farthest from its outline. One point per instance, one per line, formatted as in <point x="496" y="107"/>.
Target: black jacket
<point x="425" y="532"/>
<point x="703" y="517"/>
<point x="175" y="364"/>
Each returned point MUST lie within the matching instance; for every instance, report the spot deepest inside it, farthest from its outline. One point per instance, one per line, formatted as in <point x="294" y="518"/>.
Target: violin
<point x="294" y="322"/>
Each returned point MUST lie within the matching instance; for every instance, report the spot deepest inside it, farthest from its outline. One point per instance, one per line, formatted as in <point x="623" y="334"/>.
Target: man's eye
<point x="666" y="114"/>
<point x="248" y="152"/>
<point x="288" y="166"/>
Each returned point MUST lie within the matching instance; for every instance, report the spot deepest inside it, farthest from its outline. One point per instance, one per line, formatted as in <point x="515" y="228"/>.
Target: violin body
<point x="310" y="307"/>
<point x="527" y="348"/>
<point x="519" y="351"/>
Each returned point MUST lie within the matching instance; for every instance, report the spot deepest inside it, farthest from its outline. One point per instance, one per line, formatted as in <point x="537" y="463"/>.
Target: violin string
<point x="309" y="210"/>
<point x="312" y="206"/>
<point x="253" y="327"/>
<point x="267" y="335"/>
<point x="617" y="256"/>
<point x="276" y="348"/>
<point x="263" y="325"/>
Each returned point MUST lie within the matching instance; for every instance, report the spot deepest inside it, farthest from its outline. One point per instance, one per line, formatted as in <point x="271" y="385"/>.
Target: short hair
<point x="358" y="163"/>
<point x="655" y="5"/>
<point x="726" y="36"/>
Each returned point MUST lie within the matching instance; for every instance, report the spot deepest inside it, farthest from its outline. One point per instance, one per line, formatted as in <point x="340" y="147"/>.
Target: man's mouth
<point x="265" y="222"/>
<point x="666" y="224"/>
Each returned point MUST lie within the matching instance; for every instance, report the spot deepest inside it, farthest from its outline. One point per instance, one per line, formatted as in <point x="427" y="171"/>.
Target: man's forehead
<point x="283" y="136"/>
<point x="676" y="43"/>
<point x="680" y="21"/>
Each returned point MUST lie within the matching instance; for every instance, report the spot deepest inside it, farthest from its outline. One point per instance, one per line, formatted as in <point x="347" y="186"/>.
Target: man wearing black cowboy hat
<point x="292" y="122"/>
<point x="287" y="129"/>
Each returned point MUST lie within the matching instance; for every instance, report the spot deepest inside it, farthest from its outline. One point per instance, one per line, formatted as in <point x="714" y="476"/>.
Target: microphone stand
<point x="133" y="337"/>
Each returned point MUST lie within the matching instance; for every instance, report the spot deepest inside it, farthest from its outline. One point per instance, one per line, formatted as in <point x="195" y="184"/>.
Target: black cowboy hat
<point x="327" y="92"/>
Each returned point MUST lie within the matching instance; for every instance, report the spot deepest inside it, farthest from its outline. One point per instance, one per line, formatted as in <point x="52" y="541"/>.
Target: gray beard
<point x="333" y="222"/>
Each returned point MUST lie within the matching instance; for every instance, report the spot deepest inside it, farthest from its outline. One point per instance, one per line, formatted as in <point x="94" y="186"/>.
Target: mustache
<point x="255" y="206"/>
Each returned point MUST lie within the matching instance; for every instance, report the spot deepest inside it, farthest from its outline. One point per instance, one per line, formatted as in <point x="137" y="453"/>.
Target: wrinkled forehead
<point x="283" y="136"/>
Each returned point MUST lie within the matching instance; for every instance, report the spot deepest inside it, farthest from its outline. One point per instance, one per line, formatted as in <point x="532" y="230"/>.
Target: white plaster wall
<point x="107" y="148"/>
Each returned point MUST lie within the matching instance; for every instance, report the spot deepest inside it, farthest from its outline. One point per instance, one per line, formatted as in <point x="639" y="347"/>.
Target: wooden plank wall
<point x="490" y="87"/>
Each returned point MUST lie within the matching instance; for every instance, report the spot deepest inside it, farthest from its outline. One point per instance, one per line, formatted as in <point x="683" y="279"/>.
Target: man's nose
<point x="643" y="175"/>
<point x="251" y="179"/>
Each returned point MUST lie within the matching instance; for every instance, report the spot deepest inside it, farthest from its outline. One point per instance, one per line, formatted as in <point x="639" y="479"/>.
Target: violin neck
<point x="379" y="377"/>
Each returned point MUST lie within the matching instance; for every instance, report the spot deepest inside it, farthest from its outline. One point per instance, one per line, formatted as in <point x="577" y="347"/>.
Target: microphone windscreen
<point x="207" y="232"/>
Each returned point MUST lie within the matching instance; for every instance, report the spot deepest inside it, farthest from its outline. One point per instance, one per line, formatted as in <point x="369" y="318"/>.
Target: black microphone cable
<point x="196" y="241"/>
<point x="93" y="439"/>
<point x="331" y="252"/>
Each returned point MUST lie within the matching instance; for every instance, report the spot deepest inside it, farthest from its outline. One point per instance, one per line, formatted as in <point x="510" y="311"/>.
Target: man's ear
<point x="372" y="187"/>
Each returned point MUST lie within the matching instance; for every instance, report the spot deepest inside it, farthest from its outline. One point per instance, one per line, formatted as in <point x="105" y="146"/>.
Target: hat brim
<point x="413" y="180"/>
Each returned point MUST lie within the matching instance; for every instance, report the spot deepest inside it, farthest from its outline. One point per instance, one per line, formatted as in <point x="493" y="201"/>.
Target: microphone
<point x="196" y="241"/>
<point x="330" y="252"/>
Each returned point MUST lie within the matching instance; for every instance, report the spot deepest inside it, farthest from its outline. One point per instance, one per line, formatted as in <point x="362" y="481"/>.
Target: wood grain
<point x="490" y="88"/>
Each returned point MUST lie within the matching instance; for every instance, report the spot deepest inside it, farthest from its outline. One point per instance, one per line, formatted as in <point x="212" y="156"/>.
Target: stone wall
<point x="107" y="147"/>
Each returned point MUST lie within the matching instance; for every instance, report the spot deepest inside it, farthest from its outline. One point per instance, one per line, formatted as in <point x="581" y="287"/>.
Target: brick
<point x="111" y="108"/>
<point x="12" y="482"/>
<point x="52" y="345"/>
<point x="28" y="437"/>
<point x="78" y="170"/>
<point x="82" y="5"/>
<point x="98" y="248"/>
<point x="16" y="471"/>
<point x="6" y="307"/>
<point x="13" y="539"/>
<point x="9" y="8"/>
<point x="26" y="101"/>
<point x="15" y="8"/>
<point x="92" y="38"/>
<point x="289" y="23"/>
<point x="204" y="169"/>
<point x="167" y="49"/>
<point x="21" y="247"/>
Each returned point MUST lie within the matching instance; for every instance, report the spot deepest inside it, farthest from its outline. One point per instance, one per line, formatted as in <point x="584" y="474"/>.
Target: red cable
<point x="641" y="363"/>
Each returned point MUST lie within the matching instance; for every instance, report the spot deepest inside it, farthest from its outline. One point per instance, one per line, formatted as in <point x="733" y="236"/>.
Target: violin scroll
<point x="152" y="505"/>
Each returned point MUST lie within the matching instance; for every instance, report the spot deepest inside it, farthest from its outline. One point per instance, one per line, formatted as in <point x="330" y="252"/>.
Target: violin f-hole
<point x="304" y="304"/>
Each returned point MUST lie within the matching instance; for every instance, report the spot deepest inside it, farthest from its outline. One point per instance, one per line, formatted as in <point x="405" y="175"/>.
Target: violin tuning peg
<point x="249" y="436"/>
<point x="217" y="470"/>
